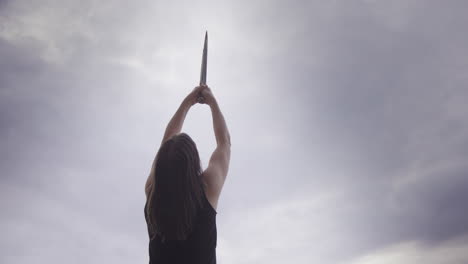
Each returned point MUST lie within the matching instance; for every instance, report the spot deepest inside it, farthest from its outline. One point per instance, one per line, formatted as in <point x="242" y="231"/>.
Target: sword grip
<point x="200" y="98"/>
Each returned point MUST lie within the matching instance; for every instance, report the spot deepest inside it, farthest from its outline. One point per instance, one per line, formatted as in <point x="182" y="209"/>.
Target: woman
<point x="182" y="200"/>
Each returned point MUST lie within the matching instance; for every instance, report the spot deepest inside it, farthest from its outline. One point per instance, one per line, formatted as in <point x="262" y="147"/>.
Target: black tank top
<point x="198" y="248"/>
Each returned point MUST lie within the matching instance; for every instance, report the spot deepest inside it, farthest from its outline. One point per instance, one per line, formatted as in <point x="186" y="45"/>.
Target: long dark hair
<point x="176" y="194"/>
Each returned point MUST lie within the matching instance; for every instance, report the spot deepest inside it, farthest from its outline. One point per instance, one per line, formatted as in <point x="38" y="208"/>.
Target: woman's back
<point x="199" y="247"/>
<point x="184" y="209"/>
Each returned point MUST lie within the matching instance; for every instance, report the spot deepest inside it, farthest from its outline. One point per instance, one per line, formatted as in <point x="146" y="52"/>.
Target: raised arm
<point x="175" y="124"/>
<point x="219" y="125"/>
<point x="217" y="170"/>
<point x="177" y="121"/>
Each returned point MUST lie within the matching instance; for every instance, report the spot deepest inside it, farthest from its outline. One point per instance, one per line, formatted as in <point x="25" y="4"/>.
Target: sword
<point x="200" y="98"/>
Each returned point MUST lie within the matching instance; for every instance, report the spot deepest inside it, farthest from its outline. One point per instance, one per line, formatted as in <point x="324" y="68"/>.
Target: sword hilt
<point x="200" y="97"/>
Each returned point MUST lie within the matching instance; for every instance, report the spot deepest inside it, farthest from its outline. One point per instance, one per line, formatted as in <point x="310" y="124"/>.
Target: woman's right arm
<point x="217" y="170"/>
<point x="219" y="125"/>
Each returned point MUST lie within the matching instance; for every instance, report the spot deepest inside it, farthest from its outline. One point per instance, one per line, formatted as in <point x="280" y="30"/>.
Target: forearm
<point x="177" y="121"/>
<point x="219" y="125"/>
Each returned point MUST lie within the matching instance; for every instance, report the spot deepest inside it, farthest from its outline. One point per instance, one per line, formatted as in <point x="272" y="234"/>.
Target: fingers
<point x="200" y="88"/>
<point x="199" y="93"/>
<point x="201" y="100"/>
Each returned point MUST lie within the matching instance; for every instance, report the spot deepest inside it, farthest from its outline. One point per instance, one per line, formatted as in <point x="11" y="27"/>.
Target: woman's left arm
<point x="173" y="128"/>
<point x="175" y="124"/>
<point x="177" y="121"/>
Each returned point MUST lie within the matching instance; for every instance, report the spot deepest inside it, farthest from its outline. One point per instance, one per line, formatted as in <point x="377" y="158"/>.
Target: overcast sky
<point x="348" y="120"/>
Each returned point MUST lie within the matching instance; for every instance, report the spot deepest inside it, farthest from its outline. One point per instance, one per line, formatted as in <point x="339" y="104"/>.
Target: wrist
<point x="187" y="103"/>
<point x="213" y="103"/>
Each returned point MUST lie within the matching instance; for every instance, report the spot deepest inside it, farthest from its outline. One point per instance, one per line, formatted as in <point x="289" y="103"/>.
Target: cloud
<point x="348" y="123"/>
<point x="449" y="252"/>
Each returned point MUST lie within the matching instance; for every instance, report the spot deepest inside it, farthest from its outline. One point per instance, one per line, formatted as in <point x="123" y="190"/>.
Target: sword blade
<point x="204" y="61"/>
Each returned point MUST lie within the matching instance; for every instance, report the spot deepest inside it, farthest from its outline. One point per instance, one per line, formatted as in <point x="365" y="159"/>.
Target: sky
<point x="348" y="123"/>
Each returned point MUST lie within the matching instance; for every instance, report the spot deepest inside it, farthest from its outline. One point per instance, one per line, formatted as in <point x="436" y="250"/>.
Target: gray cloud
<point x="348" y="122"/>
